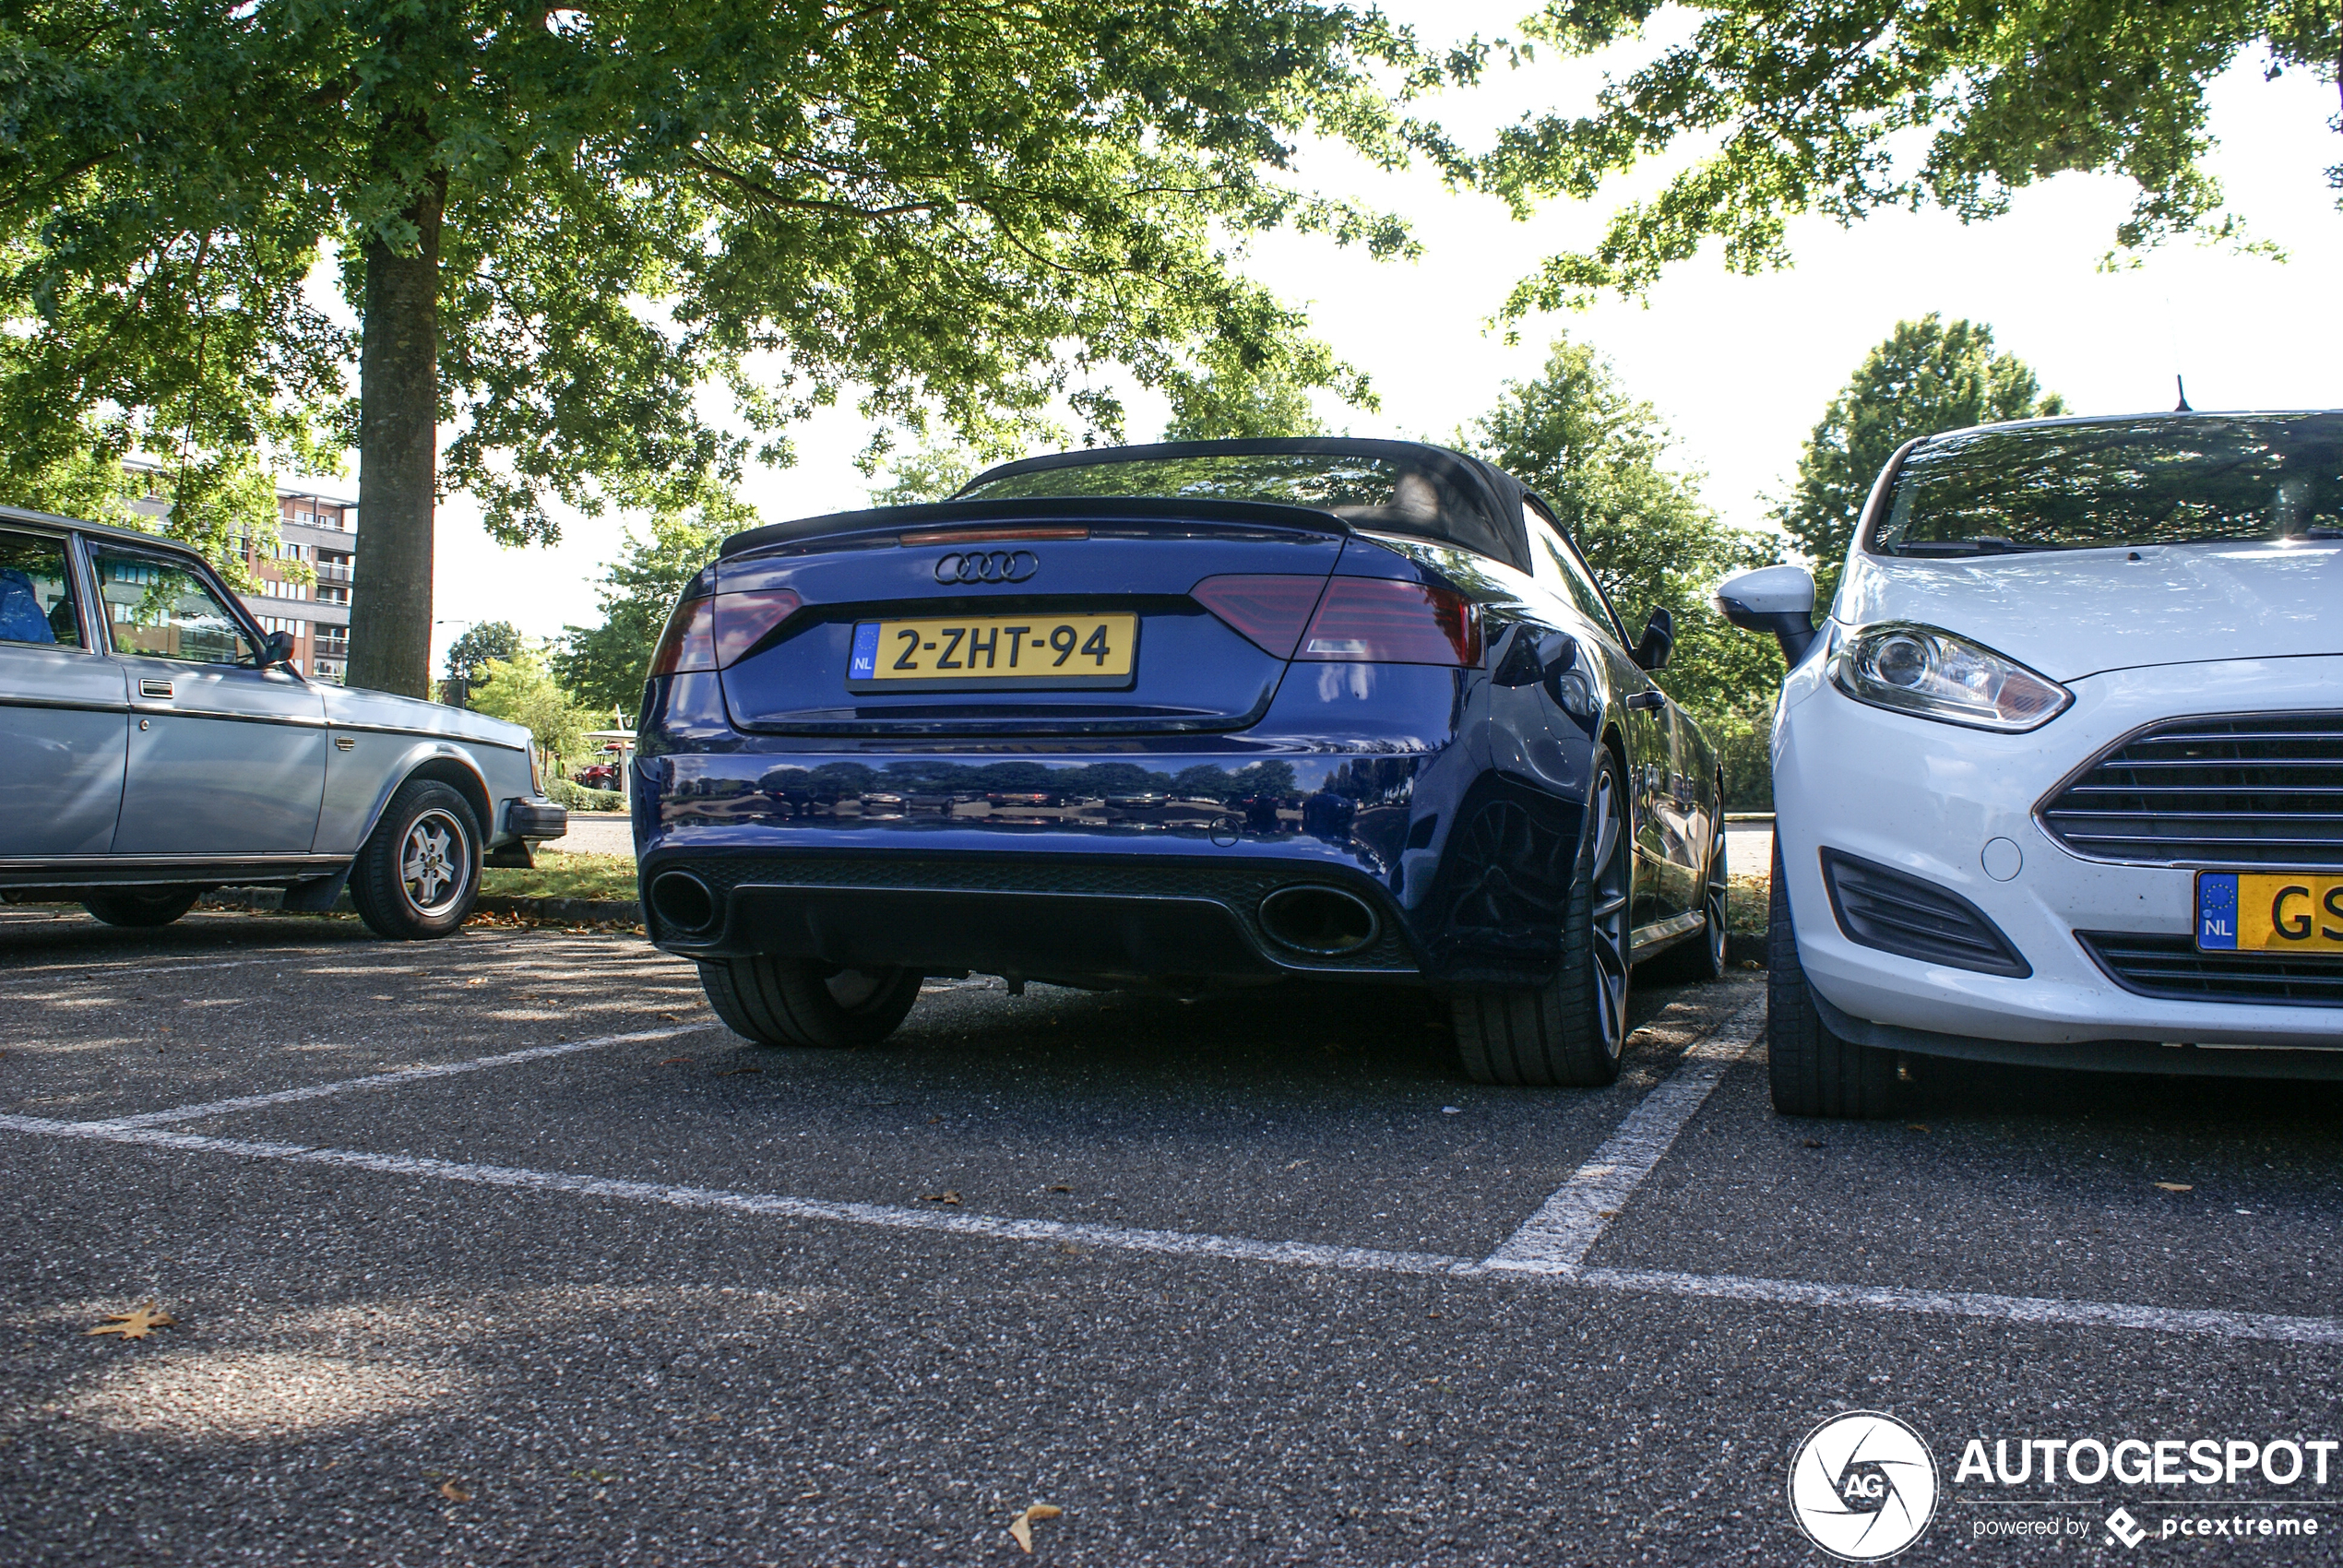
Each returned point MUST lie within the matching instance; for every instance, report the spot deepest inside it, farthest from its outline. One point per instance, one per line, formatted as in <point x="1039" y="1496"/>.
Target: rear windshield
<point x="2151" y="481"/>
<point x="1373" y="492"/>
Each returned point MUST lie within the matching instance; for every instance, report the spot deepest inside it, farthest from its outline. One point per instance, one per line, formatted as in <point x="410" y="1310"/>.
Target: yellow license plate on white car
<point x="2269" y="912"/>
<point x="964" y="652"/>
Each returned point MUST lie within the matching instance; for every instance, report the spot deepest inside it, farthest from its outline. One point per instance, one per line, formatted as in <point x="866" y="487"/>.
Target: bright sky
<point x="1739" y="367"/>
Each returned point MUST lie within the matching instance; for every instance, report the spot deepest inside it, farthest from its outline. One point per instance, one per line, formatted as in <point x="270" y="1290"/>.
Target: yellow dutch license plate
<point x="2269" y="912"/>
<point x="967" y="651"/>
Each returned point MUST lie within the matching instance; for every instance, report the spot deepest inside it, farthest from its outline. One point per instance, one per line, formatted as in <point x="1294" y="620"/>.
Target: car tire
<point x="1570" y="1030"/>
<point x="417" y="876"/>
<point x="1812" y="1070"/>
<point x="1702" y="958"/>
<point x="160" y="907"/>
<point x="803" y="1002"/>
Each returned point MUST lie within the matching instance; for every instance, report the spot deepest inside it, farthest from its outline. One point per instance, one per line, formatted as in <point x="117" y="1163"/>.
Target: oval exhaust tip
<point x="1324" y="921"/>
<point x="683" y="900"/>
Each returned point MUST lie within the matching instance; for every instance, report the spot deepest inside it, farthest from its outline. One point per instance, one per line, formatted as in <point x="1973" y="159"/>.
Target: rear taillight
<point x="1269" y="611"/>
<point x="743" y="619"/>
<point x="1378" y="621"/>
<point x="689" y="642"/>
<point x="710" y="634"/>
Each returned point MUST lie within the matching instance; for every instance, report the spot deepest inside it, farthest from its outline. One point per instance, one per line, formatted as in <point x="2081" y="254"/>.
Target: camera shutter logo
<point x="1862" y="1486"/>
<point x="988" y="566"/>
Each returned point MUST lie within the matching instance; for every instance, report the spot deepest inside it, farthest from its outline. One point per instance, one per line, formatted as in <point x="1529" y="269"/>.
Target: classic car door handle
<point x="154" y="688"/>
<point x="1646" y="701"/>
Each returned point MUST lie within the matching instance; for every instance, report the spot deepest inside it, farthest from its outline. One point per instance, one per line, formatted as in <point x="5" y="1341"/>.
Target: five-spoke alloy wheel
<point x="418" y="874"/>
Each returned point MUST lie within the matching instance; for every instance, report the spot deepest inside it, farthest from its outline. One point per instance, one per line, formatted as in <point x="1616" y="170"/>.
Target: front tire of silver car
<point x="152" y="907"/>
<point x="1812" y="1070"/>
<point x="802" y="1002"/>
<point x="417" y="875"/>
<point x="1570" y="1030"/>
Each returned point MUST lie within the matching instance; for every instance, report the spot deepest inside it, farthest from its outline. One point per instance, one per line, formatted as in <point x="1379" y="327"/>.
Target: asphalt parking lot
<point x="498" y="1250"/>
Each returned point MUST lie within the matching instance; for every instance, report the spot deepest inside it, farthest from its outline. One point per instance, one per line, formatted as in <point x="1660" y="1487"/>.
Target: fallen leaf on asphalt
<point x="1915" y="1126"/>
<point x="453" y="1492"/>
<point x="675" y="1062"/>
<point x="137" y="1324"/>
<point x="1061" y="1189"/>
<point x="2174" y="1187"/>
<point x="1813" y="1143"/>
<point x="1021" y="1527"/>
<point x="939" y="1197"/>
<point x="736" y="1071"/>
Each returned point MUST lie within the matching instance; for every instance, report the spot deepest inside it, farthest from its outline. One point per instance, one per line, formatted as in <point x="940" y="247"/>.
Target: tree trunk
<point x="390" y="595"/>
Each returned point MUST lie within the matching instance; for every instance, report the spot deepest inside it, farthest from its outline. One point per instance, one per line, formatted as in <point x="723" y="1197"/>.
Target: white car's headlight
<point x="1934" y="674"/>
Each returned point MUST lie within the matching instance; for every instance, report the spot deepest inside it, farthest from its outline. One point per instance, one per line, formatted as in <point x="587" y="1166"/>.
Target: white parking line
<point x="383" y="1080"/>
<point x="57" y="972"/>
<point x="127" y="967"/>
<point x="766" y="1203"/>
<point x="2028" y="1309"/>
<point x="1566" y="1226"/>
<point x="2046" y="1311"/>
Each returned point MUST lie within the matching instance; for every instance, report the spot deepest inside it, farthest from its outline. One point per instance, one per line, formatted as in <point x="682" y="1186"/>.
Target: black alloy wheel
<point x="1572" y="1029"/>
<point x="1812" y="1072"/>
<point x="151" y="906"/>
<point x="802" y="1002"/>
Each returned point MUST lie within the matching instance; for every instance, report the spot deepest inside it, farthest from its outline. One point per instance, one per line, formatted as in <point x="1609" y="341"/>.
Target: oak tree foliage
<point x="559" y="224"/>
<point x="480" y="643"/>
<point x="1847" y="107"/>
<point x="1599" y="458"/>
<point x="604" y="667"/>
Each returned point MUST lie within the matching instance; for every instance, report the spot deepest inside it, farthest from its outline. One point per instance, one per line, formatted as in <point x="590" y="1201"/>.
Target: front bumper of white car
<point x="1928" y="799"/>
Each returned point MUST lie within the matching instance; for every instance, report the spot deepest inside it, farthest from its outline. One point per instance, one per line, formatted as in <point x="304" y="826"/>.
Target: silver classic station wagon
<point x="155" y="746"/>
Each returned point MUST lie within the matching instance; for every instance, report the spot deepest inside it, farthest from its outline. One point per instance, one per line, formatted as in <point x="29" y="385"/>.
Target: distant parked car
<point x="1219" y="713"/>
<point x="2060" y="780"/>
<point x="154" y="744"/>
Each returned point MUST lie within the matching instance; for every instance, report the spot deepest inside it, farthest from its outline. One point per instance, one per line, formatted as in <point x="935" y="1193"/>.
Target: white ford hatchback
<point x="2061" y="779"/>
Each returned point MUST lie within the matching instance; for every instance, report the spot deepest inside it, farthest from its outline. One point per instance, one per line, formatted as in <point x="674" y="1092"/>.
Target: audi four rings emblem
<point x="988" y="566"/>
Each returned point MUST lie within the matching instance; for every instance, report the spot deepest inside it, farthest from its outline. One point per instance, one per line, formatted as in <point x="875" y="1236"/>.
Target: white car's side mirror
<point x="1780" y="600"/>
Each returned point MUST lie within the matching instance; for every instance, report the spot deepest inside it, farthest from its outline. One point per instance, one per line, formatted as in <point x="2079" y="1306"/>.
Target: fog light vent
<point x="1901" y="914"/>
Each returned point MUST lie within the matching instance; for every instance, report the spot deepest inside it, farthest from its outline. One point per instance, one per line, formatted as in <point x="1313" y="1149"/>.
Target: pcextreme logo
<point x="1862" y="1486"/>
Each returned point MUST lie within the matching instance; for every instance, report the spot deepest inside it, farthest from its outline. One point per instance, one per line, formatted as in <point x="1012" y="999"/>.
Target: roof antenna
<point x="2183" y="408"/>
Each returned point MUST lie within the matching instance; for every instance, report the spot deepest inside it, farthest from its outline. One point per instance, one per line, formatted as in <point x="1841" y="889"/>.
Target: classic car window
<point x="1557" y="566"/>
<point x="157" y="608"/>
<point x="36" y="592"/>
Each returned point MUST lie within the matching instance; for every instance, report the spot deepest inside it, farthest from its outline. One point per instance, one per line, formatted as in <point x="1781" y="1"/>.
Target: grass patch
<point x="562" y="876"/>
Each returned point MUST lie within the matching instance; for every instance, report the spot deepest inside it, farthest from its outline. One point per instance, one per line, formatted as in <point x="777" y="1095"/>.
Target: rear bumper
<point x="1085" y="919"/>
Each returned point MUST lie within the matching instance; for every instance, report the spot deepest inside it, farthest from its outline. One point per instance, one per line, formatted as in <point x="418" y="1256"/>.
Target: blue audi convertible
<point x="1180" y="717"/>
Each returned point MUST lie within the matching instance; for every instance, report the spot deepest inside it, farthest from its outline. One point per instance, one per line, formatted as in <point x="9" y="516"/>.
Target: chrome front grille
<point x="2264" y="788"/>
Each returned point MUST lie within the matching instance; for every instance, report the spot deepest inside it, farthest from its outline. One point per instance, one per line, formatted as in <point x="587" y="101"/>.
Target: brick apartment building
<point x="321" y="531"/>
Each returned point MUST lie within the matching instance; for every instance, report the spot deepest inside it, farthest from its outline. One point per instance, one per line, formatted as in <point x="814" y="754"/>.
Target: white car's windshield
<point x="2156" y="480"/>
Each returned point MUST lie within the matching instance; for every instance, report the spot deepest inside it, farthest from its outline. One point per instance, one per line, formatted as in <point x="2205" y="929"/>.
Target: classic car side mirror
<point x="278" y="648"/>
<point x="1659" y="641"/>
<point x="1780" y="600"/>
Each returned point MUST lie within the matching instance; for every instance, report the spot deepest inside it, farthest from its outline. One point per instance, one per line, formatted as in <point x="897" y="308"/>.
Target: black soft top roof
<point x="1492" y="523"/>
<point x="1491" y="520"/>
